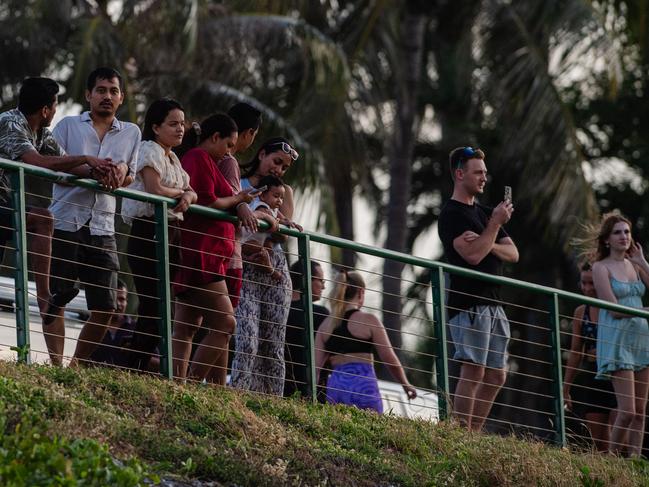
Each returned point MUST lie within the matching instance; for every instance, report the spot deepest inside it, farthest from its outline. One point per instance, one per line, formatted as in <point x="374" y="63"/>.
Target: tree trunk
<point x="343" y="199"/>
<point x="412" y="27"/>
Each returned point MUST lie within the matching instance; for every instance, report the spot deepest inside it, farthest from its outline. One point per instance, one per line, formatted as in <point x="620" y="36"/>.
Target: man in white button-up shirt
<point x="84" y="220"/>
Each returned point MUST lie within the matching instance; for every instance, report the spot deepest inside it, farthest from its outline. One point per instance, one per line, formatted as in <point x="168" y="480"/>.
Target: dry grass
<point x="227" y="436"/>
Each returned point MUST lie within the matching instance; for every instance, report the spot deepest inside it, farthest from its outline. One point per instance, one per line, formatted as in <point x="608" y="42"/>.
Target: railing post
<point x="164" y="293"/>
<point x="555" y="332"/>
<point x="303" y="246"/>
<point x="20" y="275"/>
<point x="441" y="356"/>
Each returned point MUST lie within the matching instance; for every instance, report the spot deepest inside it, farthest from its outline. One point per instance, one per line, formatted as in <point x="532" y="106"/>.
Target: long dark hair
<point x="156" y="114"/>
<point x="251" y="167"/>
<point x="218" y="123"/>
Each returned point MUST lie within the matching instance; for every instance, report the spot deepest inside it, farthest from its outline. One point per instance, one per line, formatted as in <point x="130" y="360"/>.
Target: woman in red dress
<point x="206" y="247"/>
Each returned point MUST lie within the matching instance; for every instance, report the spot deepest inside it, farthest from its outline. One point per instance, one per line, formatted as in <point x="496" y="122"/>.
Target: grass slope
<point x="66" y="427"/>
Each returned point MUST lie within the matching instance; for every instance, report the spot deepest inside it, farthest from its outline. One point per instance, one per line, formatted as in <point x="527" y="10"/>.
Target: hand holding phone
<point x="508" y="194"/>
<point x="258" y="191"/>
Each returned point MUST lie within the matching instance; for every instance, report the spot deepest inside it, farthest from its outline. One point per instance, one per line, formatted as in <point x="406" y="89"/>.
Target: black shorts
<point x="92" y="259"/>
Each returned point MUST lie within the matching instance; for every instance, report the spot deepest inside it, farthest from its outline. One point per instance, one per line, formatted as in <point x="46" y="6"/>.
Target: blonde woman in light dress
<point x="620" y="275"/>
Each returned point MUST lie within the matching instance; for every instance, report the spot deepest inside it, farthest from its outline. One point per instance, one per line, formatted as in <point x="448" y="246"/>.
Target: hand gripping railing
<point x="18" y="170"/>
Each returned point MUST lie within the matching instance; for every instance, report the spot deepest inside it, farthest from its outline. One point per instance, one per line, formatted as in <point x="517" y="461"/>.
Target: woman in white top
<point x="158" y="172"/>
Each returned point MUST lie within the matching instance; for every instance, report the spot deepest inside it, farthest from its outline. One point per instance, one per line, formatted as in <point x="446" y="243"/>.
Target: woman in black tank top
<point x="346" y="340"/>
<point x="589" y="398"/>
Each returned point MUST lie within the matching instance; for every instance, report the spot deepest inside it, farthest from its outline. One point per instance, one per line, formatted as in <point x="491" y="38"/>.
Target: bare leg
<point x="220" y="321"/>
<point x="471" y="376"/>
<point x="623" y="384"/>
<point x="218" y="373"/>
<point x="636" y="429"/>
<point x="92" y="334"/>
<point x="600" y="429"/>
<point x="54" y="334"/>
<point x="40" y="226"/>
<point x="485" y="395"/>
<point x="187" y="320"/>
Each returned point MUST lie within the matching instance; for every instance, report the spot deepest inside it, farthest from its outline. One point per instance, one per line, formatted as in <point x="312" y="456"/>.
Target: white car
<point x="395" y="401"/>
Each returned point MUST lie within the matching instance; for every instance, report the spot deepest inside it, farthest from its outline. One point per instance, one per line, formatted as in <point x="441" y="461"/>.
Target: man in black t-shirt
<point x="473" y="237"/>
<point x="294" y="351"/>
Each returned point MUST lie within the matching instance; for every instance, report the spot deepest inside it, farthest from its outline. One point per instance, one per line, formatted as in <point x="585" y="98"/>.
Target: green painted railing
<point x="18" y="170"/>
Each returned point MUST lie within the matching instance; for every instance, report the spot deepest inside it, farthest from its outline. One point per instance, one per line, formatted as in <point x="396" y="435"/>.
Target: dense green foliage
<point x="68" y="427"/>
<point x="32" y="455"/>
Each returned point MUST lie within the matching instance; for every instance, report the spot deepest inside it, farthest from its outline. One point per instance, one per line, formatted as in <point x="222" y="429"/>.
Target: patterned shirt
<point x="73" y="206"/>
<point x="17" y="138"/>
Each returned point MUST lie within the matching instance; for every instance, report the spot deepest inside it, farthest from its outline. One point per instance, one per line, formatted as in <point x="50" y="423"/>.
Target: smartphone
<point x="257" y="191"/>
<point x="508" y="193"/>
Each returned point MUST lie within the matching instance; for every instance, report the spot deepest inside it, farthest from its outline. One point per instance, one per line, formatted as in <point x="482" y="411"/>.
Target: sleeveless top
<point x="342" y="341"/>
<point x="622" y="343"/>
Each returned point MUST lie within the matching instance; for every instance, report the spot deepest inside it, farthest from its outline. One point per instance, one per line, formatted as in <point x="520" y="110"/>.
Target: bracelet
<point x="242" y="203"/>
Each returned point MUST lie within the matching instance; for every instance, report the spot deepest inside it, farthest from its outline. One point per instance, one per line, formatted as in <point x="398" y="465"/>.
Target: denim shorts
<point x="481" y="335"/>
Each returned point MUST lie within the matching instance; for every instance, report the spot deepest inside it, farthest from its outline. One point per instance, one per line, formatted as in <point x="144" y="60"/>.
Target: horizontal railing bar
<point x="339" y="242"/>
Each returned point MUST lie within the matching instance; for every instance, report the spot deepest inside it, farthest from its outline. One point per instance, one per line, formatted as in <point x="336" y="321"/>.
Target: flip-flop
<point x="58" y="301"/>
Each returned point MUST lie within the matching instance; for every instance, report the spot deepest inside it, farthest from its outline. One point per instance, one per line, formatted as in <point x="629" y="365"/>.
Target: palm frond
<point x="541" y="139"/>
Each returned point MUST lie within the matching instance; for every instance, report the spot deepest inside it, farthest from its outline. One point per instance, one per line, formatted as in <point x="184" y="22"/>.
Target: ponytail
<point x="218" y="123"/>
<point x="347" y="285"/>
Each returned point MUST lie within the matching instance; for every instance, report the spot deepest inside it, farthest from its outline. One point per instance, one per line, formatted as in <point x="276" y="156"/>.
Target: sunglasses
<point x="286" y="148"/>
<point x="466" y="154"/>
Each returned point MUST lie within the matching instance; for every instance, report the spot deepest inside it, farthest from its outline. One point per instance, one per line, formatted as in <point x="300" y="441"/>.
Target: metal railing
<point x="549" y="317"/>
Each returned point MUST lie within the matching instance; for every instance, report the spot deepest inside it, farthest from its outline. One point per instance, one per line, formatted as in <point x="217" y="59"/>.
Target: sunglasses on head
<point x="466" y="154"/>
<point x="286" y="148"/>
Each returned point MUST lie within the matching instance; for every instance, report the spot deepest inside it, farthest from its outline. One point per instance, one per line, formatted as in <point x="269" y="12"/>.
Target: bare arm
<point x="386" y="353"/>
<point x="637" y="259"/>
<point x="505" y="249"/>
<point x="576" y="354"/>
<point x="321" y="355"/>
<point x="288" y="222"/>
<point x="153" y="185"/>
<point x="228" y="202"/>
<point x="62" y="163"/>
<point x="473" y="250"/>
<point x="287" y="207"/>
